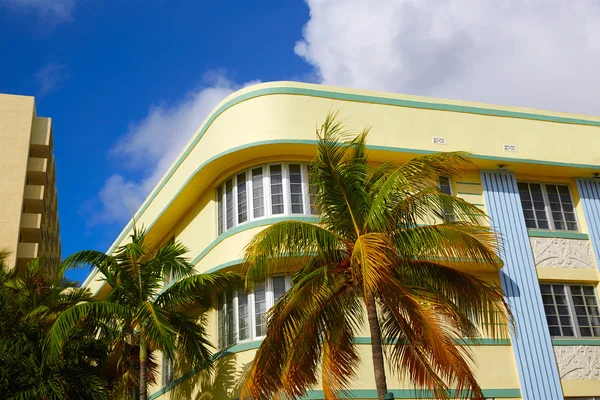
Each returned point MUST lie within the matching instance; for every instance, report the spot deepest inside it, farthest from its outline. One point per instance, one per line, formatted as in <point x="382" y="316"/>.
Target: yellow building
<point x="29" y="208"/>
<point x="246" y="167"/>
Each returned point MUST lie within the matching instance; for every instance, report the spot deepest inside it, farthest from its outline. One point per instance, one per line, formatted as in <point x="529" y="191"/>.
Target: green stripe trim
<point x="412" y="394"/>
<point x="557" y="234"/>
<point x="460" y="341"/>
<point x="471" y="193"/>
<point x="346" y="97"/>
<point x="478" y="204"/>
<point x="576" y="342"/>
<point x="254" y="345"/>
<point x="240" y="228"/>
<point x="469" y="183"/>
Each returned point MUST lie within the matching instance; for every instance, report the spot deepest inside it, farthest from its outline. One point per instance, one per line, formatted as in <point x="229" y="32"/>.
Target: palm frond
<point x="285" y="244"/>
<point x="197" y="289"/>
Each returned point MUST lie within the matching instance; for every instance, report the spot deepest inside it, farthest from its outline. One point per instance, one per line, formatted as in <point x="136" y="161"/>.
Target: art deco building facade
<point x="246" y="168"/>
<point x="29" y="225"/>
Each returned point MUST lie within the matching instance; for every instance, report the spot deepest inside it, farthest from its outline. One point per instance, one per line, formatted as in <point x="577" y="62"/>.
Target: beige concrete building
<point x="28" y="203"/>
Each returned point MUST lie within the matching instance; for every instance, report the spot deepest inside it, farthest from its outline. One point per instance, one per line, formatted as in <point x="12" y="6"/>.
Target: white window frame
<point x="547" y="210"/>
<point x="267" y="200"/>
<point x="269" y="299"/>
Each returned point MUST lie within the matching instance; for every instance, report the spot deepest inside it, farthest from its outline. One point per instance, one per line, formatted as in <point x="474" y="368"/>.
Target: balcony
<point x="41" y="138"/>
<point x="27" y="251"/>
<point x="33" y="199"/>
<point x="37" y="171"/>
<point x="31" y="228"/>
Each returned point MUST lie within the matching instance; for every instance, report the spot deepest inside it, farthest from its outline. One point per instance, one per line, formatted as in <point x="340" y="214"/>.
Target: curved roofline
<point x="345" y="94"/>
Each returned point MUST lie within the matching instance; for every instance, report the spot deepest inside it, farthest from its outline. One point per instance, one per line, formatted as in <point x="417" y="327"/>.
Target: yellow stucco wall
<point x="258" y="124"/>
<point x="16" y="116"/>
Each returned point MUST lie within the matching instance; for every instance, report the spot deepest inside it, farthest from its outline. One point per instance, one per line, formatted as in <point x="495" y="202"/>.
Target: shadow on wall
<point x="223" y="382"/>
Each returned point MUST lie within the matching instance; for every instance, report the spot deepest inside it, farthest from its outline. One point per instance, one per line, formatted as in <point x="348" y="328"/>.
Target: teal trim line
<point x="461" y="342"/>
<point x="557" y="234"/>
<point x="345" y="97"/>
<point x="254" y="224"/>
<point x="412" y="394"/>
<point x="470" y="193"/>
<point x="240" y="347"/>
<point x="238" y="229"/>
<point x="469" y="183"/>
<point x="576" y="342"/>
<point x="478" y="204"/>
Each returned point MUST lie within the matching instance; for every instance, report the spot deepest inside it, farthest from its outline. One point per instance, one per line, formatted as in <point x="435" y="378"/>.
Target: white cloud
<point x="54" y="11"/>
<point x="51" y="77"/>
<point x="152" y="144"/>
<point x="536" y="53"/>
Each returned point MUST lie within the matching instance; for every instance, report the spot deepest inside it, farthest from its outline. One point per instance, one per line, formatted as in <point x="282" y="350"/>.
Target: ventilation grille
<point x="511" y="147"/>
<point x="438" y="140"/>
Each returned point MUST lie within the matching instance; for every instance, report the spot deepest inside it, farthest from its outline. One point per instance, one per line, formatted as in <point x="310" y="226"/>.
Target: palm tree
<point x="31" y="300"/>
<point x="389" y="241"/>
<point x="138" y="313"/>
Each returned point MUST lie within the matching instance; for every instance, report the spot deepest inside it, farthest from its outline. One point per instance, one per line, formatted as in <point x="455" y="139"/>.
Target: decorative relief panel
<point x="578" y="362"/>
<point x="563" y="253"/>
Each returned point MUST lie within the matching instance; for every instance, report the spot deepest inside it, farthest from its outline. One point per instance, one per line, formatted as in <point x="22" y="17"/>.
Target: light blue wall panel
<point x="589" y="194"/>
<point x="538" y="372"/>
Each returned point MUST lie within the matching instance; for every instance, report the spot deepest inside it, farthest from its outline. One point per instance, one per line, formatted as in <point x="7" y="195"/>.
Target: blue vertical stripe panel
<point x="589" y="193"/>
<point x="536" y="364"/>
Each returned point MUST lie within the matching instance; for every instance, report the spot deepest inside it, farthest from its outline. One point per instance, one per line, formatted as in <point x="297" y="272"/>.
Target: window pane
<point x="260" y="307"/>
<point x="562" y="207"/>
<point x="258" y="200"/>
<point x="312" y="192"/>
<point x="296" y="189"/>
<point x="230" y="321"/>
<point x="445" y="186"/>
<point x="221" y="320"/>
<point x="243" y="316"/>
<point x="229" y="202"/>
<point x="532" y="203"/>
<point x="276" y="189"/>
<point x="278" y="287"/>
<point x="557" y="310"/>
<point x="220" y="210"/>
<point x="241" y="198"/>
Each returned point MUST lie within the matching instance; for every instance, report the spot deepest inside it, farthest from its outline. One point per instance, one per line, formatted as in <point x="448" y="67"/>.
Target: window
<point x="241" y="196"/>
<point x="547" y="206"/>
<point x="571" y="310"/>
<point x="167" y="370"/>
<point x="446" y="188"/>
<point x="242" y="316"/>
<point x="263" y="191"/>
<point x="276" y="189"/>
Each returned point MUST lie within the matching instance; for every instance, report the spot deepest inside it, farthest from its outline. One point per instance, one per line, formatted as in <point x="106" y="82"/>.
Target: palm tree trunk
<point x="143" y="364"/>
<point x="376" y="348"/>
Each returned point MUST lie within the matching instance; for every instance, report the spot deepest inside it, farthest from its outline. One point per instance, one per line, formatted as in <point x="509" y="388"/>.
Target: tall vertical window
<point x="297" y="200"/>
<point x="242" y="316"/>
<point x="260" y="308"/>
<point x="276" y="189"/>
<point x="258" y="197"/>
<point x="229" y="202"/>
<point x="278" y="287"/>
<point x="220" y="210"/>
<point x="167" y="370"/>
<point x="547" y="206"/>
<point x="264" y="191"/>
<point x="446" y="188"/>
<point x="242" y="201"/>
<point x="571" y="310"/>
<point x="226" y="320"/>
<point x="312" y="192"/>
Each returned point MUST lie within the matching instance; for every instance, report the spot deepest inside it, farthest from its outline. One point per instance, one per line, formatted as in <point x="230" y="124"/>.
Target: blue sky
<point x="128" y="82"/>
